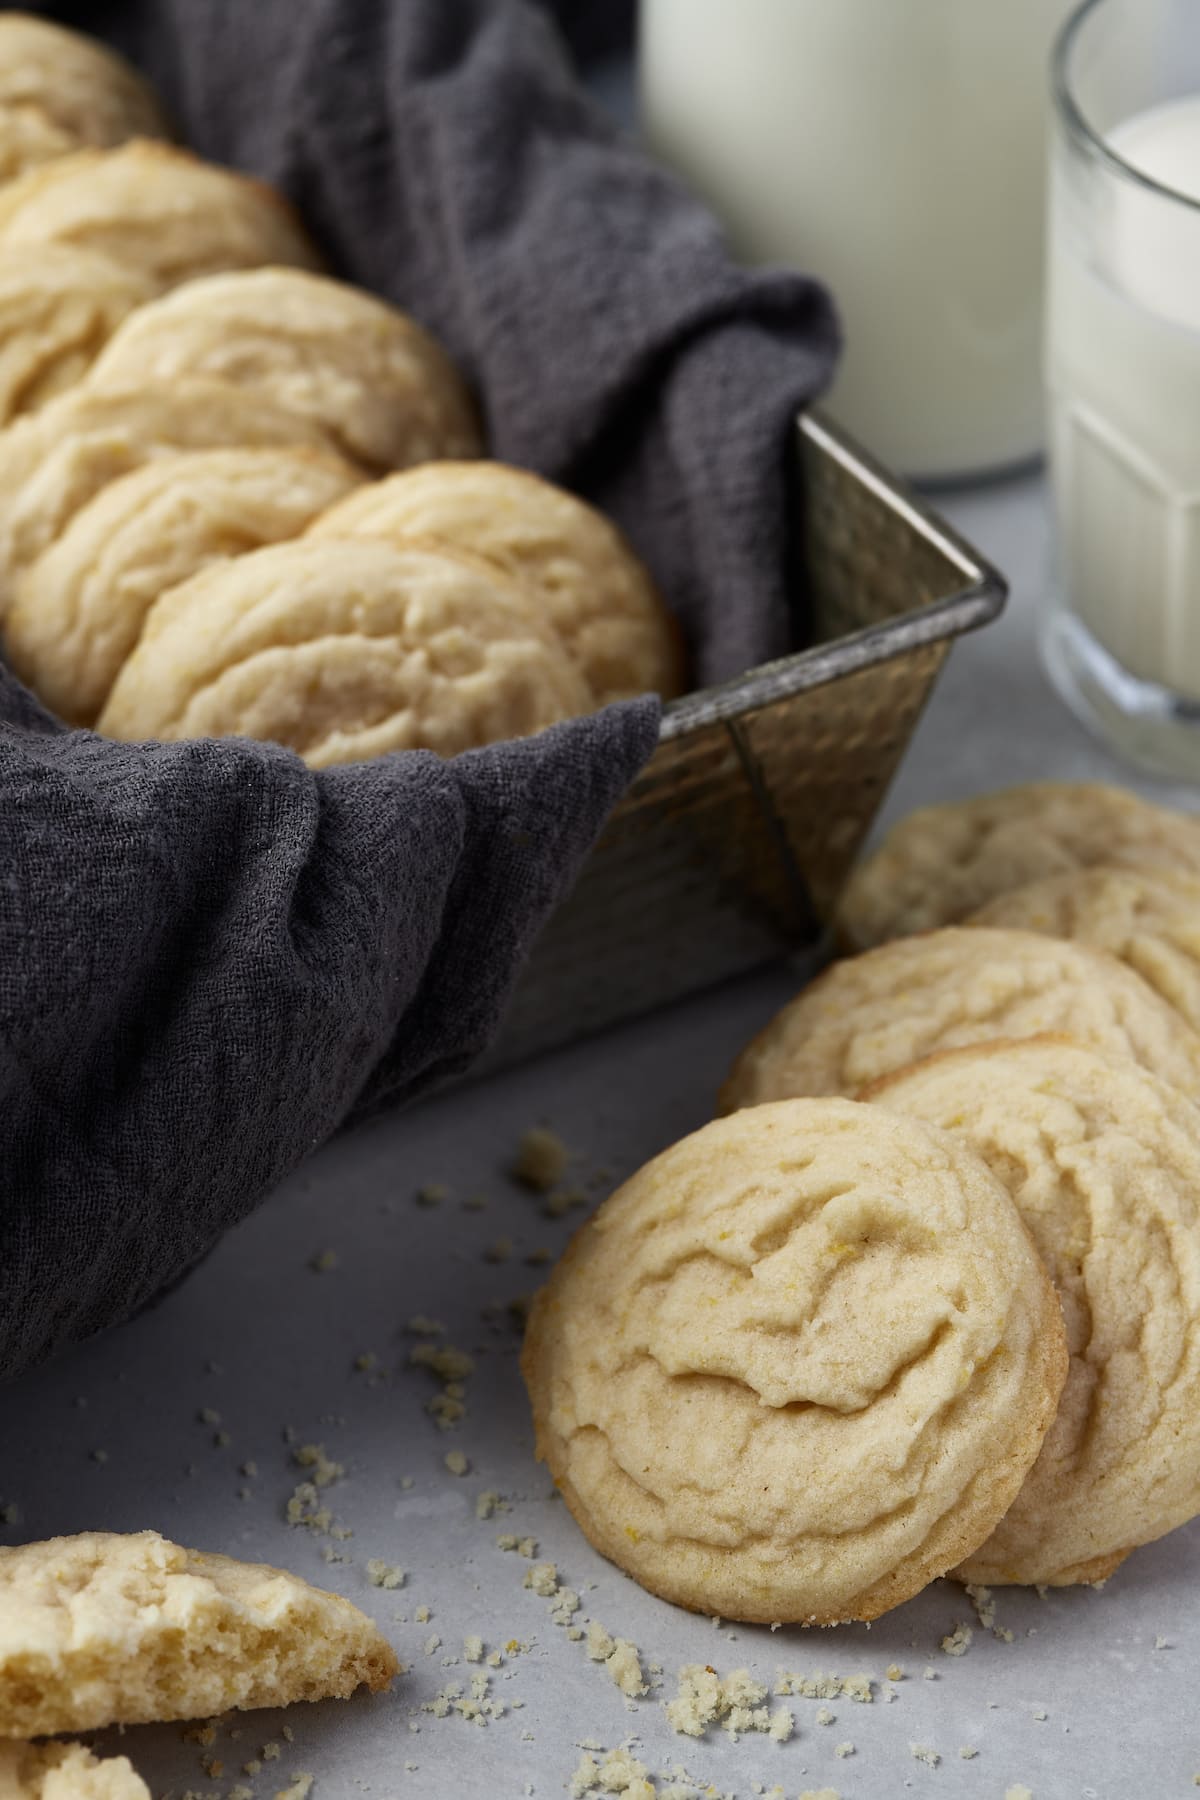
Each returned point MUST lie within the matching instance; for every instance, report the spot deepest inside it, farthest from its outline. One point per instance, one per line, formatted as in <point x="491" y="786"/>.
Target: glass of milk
<point x="896" y="148"/>
<point x="1123" y="373"/>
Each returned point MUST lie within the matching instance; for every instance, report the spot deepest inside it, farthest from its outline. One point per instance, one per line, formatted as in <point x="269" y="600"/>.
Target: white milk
<point x="897" y="148"/>
<point x="1123" y="368"/>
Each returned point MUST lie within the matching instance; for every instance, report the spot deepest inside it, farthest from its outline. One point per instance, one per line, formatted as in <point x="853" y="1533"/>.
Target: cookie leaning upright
<point x="943" y="862"/>
<point x="155" y="209"/>
<point x="56" y="460"/>
<point x="1103" y="1163"/>
<point x="1148" y="918"/>
<point x="384" y="391"/>
<point x="80" y="607"/>
<point x="798" y="1366"/>
<point x="870" y="1015"/>
<point x="102" y="1629"/>
<point x="591" y="585"/>
<point x="344" y="649"/>
<point x="58" y="305"/>
<point x="68" y="91"/>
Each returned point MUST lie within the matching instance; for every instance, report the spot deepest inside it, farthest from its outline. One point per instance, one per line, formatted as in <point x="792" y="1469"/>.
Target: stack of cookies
<point x="927" y="1300"/>
<point x="235" y="494"/>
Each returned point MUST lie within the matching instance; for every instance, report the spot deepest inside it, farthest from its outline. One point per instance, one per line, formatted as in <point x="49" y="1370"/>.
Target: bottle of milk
<point x="897" y="148"/>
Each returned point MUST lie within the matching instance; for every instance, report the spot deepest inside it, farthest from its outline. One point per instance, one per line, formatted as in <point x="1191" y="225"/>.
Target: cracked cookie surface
<point x="80" y="607"/>
<point x="384" y="392"/>
<point x="943" y="862"/>
<point x="589" y="583"/>
<point x="1148" y="918"/>
<point x="344" y="649"/>
<point x="798" y="1366"/>
<point x="1103" y="1163"/>
<point x="155" y="209"/>
<point x="873" y="1014"/>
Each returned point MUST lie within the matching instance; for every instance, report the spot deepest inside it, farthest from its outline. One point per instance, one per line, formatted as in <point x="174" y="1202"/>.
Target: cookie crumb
<point x="323" y="1261"/>
<point x="843" y="1750"/>
<point x="541" y="1159"/>
<point x="456" y="1462"/>
<point x="825" y="1717"/>
<point x="924" y="1754"/>
<point x="383" y="1574"/>
<point x="299" y="1788"/>
<point x="432" y="1194"/>
<point x="1018" y="1792"/>
<point x="958" y="1641"/>
<point x="489" y="1503"/>
<point x="422" y="1615"/>
<point x="894" y="1672"/>
<point x="968" y="1752"/>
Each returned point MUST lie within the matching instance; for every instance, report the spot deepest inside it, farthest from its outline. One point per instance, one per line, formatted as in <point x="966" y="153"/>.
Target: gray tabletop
<point x="189" y="1421"/>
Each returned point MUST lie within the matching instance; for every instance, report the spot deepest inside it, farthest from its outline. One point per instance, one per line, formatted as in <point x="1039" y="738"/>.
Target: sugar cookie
<point x="55" y="461"/>
<point x="870" y="1015"/>
<point x="798" y="1366"/>
<point x="1148" y="918"/>
<point x="155" y="209"/>
<point x="379" y="386"/>
<point x="344" y="649"/>
<point x="85" y="90"/>
<point x="102" y="1629"/>
<point x="592" y="587"/>
<point x="80" y="607"/>
<point x="57" y="307"/>
<point x="1103" y="1163"/>
<point x="943" y="862"/>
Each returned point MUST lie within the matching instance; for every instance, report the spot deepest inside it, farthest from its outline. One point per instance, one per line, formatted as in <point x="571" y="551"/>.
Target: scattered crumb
<point x="541" y="1159"/>
<point x="271" y="1752"/>
<point x="1018" y="1792"/>
<point x="1162" y="1643"/>
<point x="432" y="1194"/>
<point x="820" y="1794"/>
<point x="539" y="1257"/>
<point x="321" y="1263"/>
<point x="249" y="1470"/>
<point x="422" y="1615"/>
<point x="499" y="1251"/>
<point x="825" y="1717"/>
<point x="737" y="1704"/>
<point x="425" y="1327"/>
<point x="322" y="1471"/>
<point x="383" y="1574"/>
<point x="924" y="1754"/>
<point x="456" y="1462"/>
<point x="299" y="1788"/>
<point x="208" y="1416"/>
<point x="958" y="1641"/>
<point x="619" y="1773"/>
<point x="843" y="1750"/>
<point x="929" y="1674"/>
<point x="473" y="1649"/>
<point x="985" y="1606"/>
<point x="9" y="1513"/>
<point x="100" y="1456"/>
<point x="543" y="1579"/>
<point x="1040" y="1714"/>
<point x="894" y="1672"/>
<point x="822" y="1686"/>
<point x="967" y="1752"/>
<point x="474" y="1202"/>
<point x="489" y="1503"/>
<point x="432" y="1644"/>
<point x="365" y="1361"/>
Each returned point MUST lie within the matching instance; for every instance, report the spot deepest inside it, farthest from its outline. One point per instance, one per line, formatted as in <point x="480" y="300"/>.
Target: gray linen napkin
<point x="210" y="957"/>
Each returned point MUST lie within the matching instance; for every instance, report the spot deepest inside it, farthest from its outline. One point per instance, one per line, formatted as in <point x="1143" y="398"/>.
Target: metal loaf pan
<point x="733" y="845"/>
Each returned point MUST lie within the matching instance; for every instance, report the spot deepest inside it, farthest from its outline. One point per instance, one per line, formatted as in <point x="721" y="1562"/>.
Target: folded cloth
<point x="211" y="957"/>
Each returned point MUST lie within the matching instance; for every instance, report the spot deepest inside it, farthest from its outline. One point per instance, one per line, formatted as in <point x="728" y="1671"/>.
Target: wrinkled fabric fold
<point x="212" y="957"/>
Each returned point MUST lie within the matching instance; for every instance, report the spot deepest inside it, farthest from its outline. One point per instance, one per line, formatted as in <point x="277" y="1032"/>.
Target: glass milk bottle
<point x="1123" y="372"/>
<point x="896" y="148"/>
